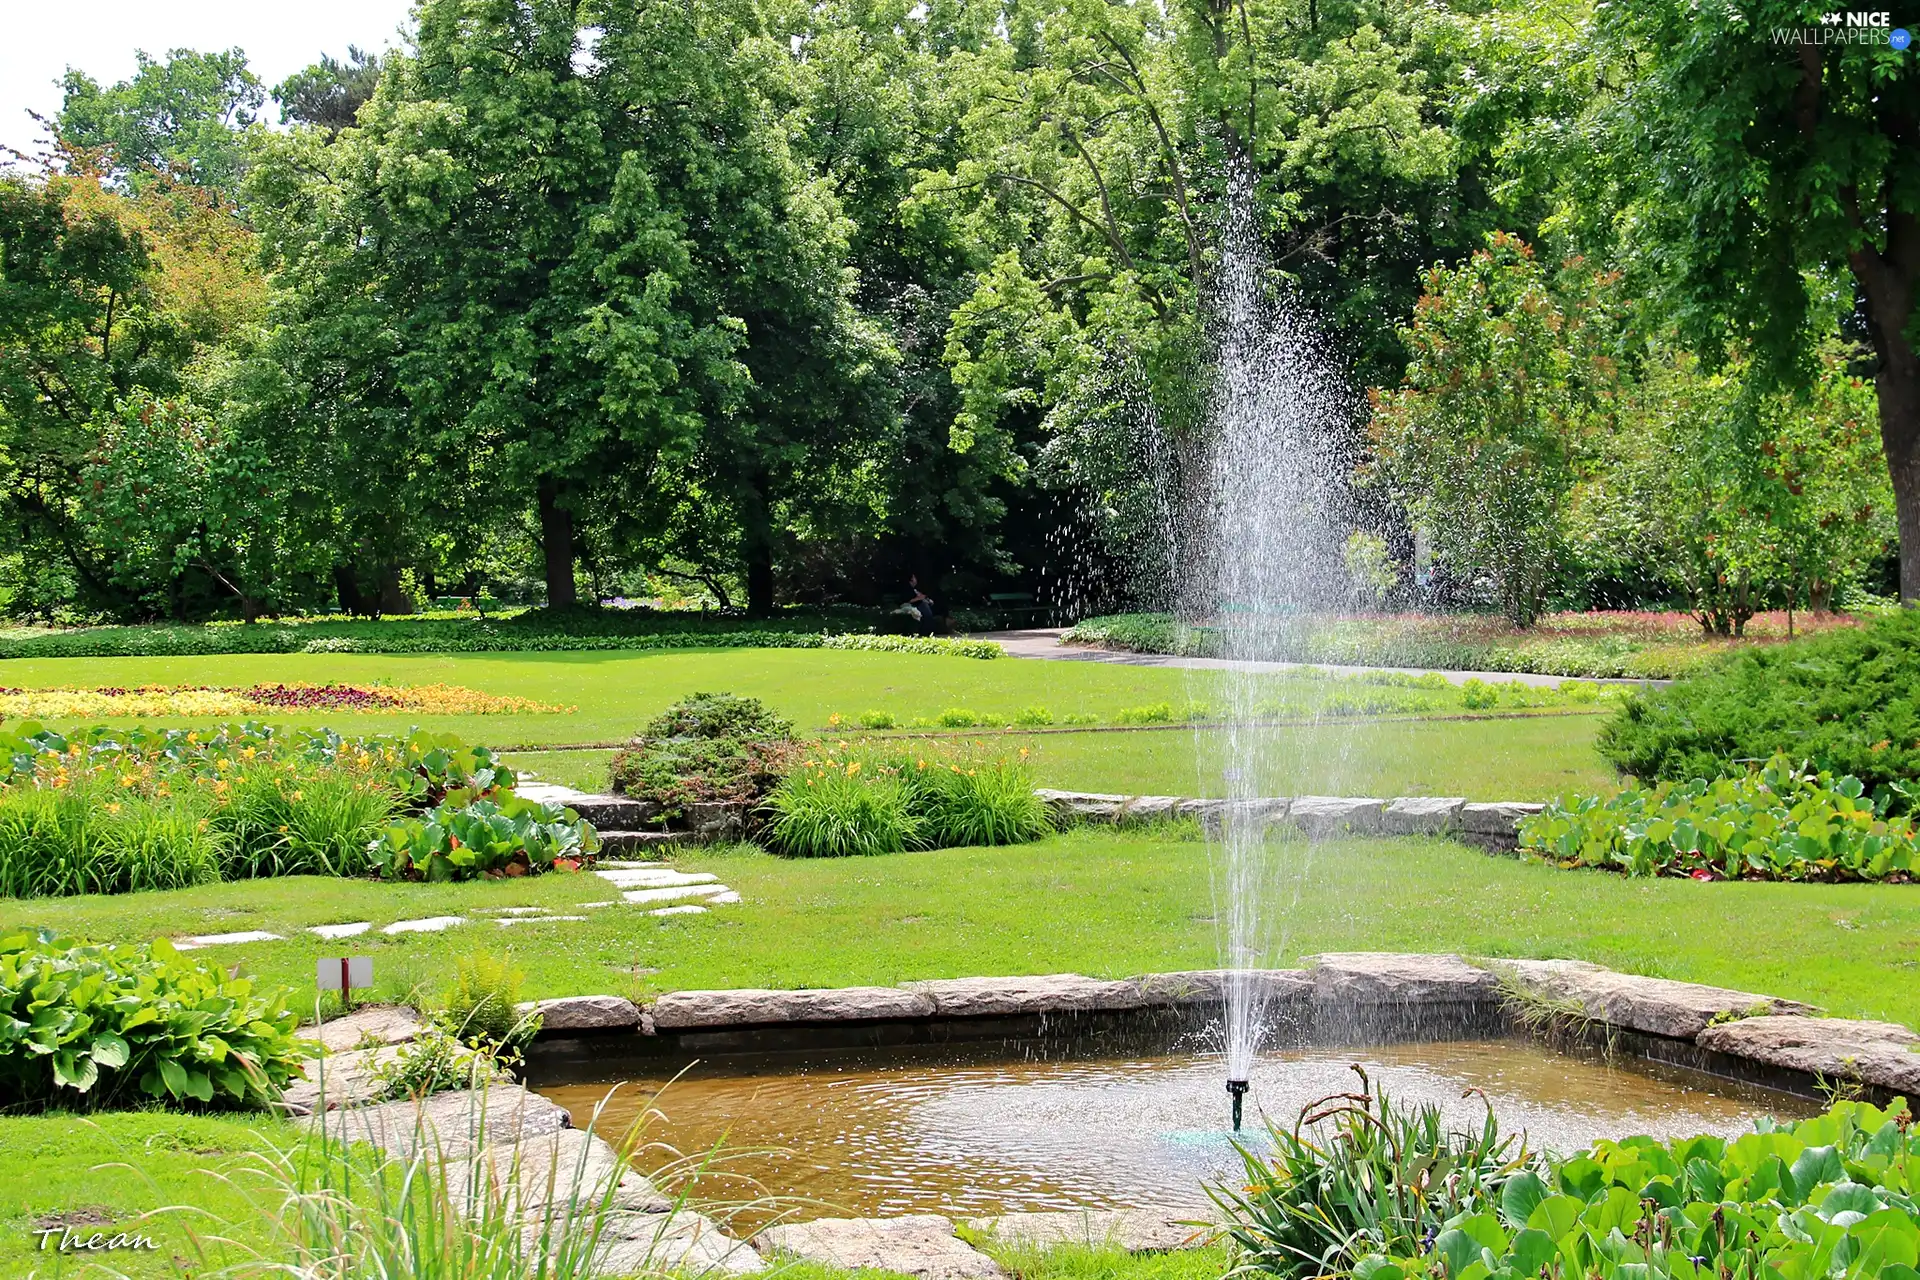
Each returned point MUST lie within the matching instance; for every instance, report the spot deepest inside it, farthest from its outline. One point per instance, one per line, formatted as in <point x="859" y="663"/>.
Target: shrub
<point x="710" y="747"/>
<point x="827" y="809"/>
<point x="91" y="1026"/>
<point x="877" y="720"/>
<point x="465" y="838"/>
<point x="433" y="1061"/>
<point x="1152" y="713"/>
<point x="980" y="804"/>
<point x="1848" y="700"/>
<point x="1034" y="715"/>
<point x="1478" y="695"/>
<point x="1776" y="823"/>
<point x="957" y="718"/>
<point x="480" y="1007"/>
<point x="1831" y="1195"/>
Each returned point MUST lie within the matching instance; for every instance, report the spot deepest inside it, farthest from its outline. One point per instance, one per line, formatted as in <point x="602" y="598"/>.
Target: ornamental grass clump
<point x="1357" y="1176"/>
<point x="887" y="798"/>
<point x="833" y="809"/>
<point x="95" y="1026"/>
<point x="1779" y="822"/>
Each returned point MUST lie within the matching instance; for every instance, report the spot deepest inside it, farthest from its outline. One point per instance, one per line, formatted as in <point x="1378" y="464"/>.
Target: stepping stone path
<point x="341" y="930"/>
<point x="432" y="924"/>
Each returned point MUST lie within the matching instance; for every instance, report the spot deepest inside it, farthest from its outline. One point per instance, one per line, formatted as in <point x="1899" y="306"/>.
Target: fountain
<point x="1271" y="516"/>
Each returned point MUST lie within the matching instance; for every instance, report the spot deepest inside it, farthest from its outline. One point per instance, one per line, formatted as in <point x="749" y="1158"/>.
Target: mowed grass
<point x="615" y="693"/>
<point x="1093" y="901"/>
<point x="1523" y="758"/>
<point x="119" y="1172"/>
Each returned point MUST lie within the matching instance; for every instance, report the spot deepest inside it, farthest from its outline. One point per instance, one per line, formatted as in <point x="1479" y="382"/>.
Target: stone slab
<point x="1206" y="986"/>
<point x="684" y="909"/>
<point x="429" y="924"/>
<point x="584" y="1013"/>
<point x="1323" y="816"/>
<point x="660" y="878"/>
<point x="368" y="1027"/>
<point x="1044" y="993"/>
<point x="1149" y="809"/>
<point x="726" y="899"/>
<point x="1380" y="978"/>
<point x="1496" y="821"/>
<point x="673" y="893"/>
<point x="748" y="1006"/>
<point x="352" y="929"/>
<point x="1421" y="815"/>
<point x="506" y="920"/>
<point x="678" y="1243"/>
<point x="1135" y="1230"/>
<point x="921" y="1245"/>
<point x="1877" y="1053"/>
<point x="197" y="941"/>
<point x="454" y="1124"/>
<point x="1656" y="1006"/>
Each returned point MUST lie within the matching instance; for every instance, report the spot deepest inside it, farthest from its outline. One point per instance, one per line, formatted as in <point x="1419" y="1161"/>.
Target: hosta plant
<point x="89" y="1026"/>
<point x="1832" y="1196"/>
<point x="465" y="837"/>
<point x="1779" y="822"/>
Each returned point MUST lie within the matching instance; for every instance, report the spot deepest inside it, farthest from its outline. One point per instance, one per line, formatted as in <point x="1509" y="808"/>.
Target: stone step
<point x="603" y="811"/>
<point x="620" y="842"/>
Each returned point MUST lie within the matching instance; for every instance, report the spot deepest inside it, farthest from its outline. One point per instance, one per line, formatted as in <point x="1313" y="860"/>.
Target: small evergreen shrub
<point x="94" y="1026"/>
<point x="1780" y="822"/>
<point x="1847" y="700"/>
<point x="710" y="747"/>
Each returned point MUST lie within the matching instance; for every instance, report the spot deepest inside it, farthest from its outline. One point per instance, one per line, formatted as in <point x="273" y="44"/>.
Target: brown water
<point x="886" y="1136"/>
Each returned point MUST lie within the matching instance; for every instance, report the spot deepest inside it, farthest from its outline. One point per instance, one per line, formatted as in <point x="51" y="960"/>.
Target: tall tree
<point x="330" y="92"/>
<point x="183" y="116"/>
<point x="1774" y="158"/>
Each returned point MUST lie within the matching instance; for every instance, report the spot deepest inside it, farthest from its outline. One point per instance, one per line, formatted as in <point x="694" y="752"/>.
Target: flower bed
<point x="1778" y="823"/>
<point x="153" y="701"/>
<point x="111" y="810"/>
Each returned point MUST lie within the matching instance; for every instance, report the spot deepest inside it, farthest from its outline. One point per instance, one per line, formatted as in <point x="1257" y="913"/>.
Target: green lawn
<point x="1093" y="901"/>
<point x="111" y="1172"/>
<point x="1522" y="758"/>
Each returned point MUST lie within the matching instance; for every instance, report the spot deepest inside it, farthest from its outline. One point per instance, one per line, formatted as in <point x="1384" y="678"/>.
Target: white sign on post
<point x="344" y="973"/>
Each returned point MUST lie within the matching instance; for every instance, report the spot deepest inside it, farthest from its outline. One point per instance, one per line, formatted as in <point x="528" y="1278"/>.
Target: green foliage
<point x="1833" y="1195"/>
<point x="1379" y="1179"/>
<point x="185" y="114"/>
<point x="1776" y="823"/>
<point x="433" y="1061"/>
<point x="480" y="1006"/>
<point x="1844" y="700"/>
<point x="887" y="799"/>
<point x="829" y="810"/>
<point x="717" y="715"/>
<point x="709" y="747"/>
<point x="463" y="838"/>
<point x="1480" y="443"/>
<point x="86" y="1026"/>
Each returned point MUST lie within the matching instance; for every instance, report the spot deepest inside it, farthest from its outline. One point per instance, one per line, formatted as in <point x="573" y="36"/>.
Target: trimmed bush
<point x="89" y="1026"/>
<point x="1847" y="700"/>
<point x="1776" y="823"/>
<point x="709" y="747"/>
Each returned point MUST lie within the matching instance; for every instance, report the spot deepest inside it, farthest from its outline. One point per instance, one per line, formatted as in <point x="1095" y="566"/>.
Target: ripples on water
<point x="885" y="1138"/>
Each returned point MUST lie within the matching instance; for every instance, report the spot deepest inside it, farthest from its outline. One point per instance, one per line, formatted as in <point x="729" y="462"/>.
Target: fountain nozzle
<point x="1237" y="1089"/>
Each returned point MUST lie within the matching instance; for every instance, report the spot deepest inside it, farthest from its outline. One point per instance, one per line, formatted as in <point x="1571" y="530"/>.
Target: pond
<point x="988" y="1129"/>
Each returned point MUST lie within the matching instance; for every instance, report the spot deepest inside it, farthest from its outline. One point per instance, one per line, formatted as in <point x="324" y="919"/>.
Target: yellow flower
<point x="113" y="806"/>
<point x="296" y="794"/>
<point x="251" y="752"/>
<point x="129" y="779"/>
<point x="853" y="767"/>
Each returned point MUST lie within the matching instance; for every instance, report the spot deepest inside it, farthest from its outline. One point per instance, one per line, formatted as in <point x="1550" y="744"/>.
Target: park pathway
<point x="1044" y="643"/>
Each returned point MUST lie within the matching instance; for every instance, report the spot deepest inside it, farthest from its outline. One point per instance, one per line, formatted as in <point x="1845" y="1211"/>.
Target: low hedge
<point x="1847" y="700"/>
<point x="531" y="632"/>
<point x="93" y="1026"/>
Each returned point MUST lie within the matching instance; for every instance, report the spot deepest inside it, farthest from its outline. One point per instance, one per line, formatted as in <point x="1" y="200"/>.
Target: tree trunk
<point x="756" y="545"/>
<point x="556" y="544"/>
<point x="1887" y="279"/>
<point x="393" y="599"/>
<point x="347" y="584"/>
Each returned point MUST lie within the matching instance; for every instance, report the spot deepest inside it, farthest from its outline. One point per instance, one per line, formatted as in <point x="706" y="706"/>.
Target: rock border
<point x="1736" y="1035"/>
